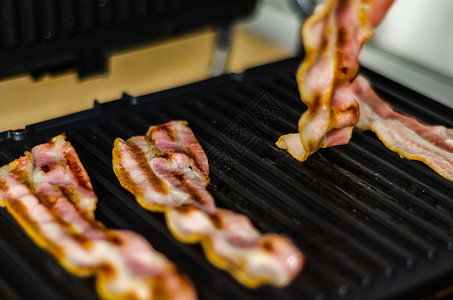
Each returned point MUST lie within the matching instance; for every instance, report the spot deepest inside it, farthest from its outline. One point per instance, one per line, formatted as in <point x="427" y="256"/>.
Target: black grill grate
<point x="371" y="224"/>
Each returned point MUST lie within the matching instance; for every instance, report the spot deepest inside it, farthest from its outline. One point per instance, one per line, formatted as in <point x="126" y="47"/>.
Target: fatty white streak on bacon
<point x="406" y="136"/>
<point x="333" y="37"/>
<point x="229" y="239"/>
<point x="49" y="193"/>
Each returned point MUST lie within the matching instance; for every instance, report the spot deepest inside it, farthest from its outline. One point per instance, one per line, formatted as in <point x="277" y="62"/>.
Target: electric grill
<point x="371" y="224"/>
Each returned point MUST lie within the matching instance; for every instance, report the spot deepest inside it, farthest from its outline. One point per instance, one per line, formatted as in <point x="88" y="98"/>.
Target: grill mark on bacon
<point x="124" y="264"/>
<point x="229" y="239"/>
<point x="316" y="103"/>
<point x="127" y="178"/>
<point x="65" y="172"/>
<point x="69" y="197"/>
<point x="177" y="136"/>
<point x="188" y="187"/>
<point x="267" y="246"/>
<point x="163" y="152"/>
<point x="77" y="170"/>
<point x="216" y="221"/>
<point x="352" y="110"/>
<point x="192" y="148"/>
<point x="157" y="183"/>
<point x="46" y="168"/>
<point x="50" y="203"/>
<point x="115" y="240"/>
<point x="169" y="132"/>
<point x="166" y="155"/>
<point x="324" y="45"/>
<point x="73" y="197"/>
<point x="340" y="57"/>
<point x="107" y="270"/>
<point x="184" y="210"/>
<point x="190" y="153"/>
<point x="160" y="292"/>
<point x="19" y="212"/>
<point x="342" y="36"/>
<point x="176" y="181"/>
<point x="333" y="37"/>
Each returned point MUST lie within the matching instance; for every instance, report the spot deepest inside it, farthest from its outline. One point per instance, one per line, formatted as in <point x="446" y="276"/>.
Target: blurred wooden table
<point x="162" y="65"/>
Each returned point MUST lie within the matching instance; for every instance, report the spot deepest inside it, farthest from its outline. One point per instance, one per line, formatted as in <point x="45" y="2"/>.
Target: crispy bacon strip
<point x="406" y="136"/>
<point x="167" y="170"/>
<point x="50" y="195"/>
<point x="333" y="37"/>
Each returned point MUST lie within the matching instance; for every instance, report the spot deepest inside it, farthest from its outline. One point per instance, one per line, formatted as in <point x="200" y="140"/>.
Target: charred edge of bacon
<point x="53" y="201"/>
<point x="229" y="240"/>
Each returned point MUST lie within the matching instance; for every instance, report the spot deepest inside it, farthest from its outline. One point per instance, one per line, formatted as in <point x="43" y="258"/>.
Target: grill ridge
<point x="187" y="114"/>
<point x="399" y="194"/>
<point x="415" y="240"/>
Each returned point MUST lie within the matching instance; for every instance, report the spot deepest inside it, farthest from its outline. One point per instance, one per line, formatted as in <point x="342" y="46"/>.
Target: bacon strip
<point x="432" y="145"/>
<point x="333" y="37"/>
<point x="167" y="170"/>
<point x="50" y="195"/>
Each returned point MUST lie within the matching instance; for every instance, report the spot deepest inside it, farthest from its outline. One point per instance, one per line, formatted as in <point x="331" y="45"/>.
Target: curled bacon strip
<point x="333" y="37"/>
<point x="50" y="195"/>
<point x="167" y="170"/>
<point x="406" y="136"/>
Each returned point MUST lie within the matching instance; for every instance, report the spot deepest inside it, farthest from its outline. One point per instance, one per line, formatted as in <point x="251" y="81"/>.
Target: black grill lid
<point x="54" y="35"/>
<point x="371" y="224"/>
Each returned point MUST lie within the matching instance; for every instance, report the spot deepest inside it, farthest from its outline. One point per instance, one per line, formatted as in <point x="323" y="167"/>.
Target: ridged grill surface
<point x="370" y="223"/>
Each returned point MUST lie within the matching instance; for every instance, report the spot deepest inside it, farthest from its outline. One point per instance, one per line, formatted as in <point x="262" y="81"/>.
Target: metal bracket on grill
<point x="221" y="52"/>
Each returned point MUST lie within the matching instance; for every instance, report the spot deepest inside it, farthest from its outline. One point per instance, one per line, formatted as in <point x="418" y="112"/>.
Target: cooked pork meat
<point x="167" y="170"/>
<point x="49" y="193"/>
<point x="406" y="136"/>
<point x="333" y="37"/>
